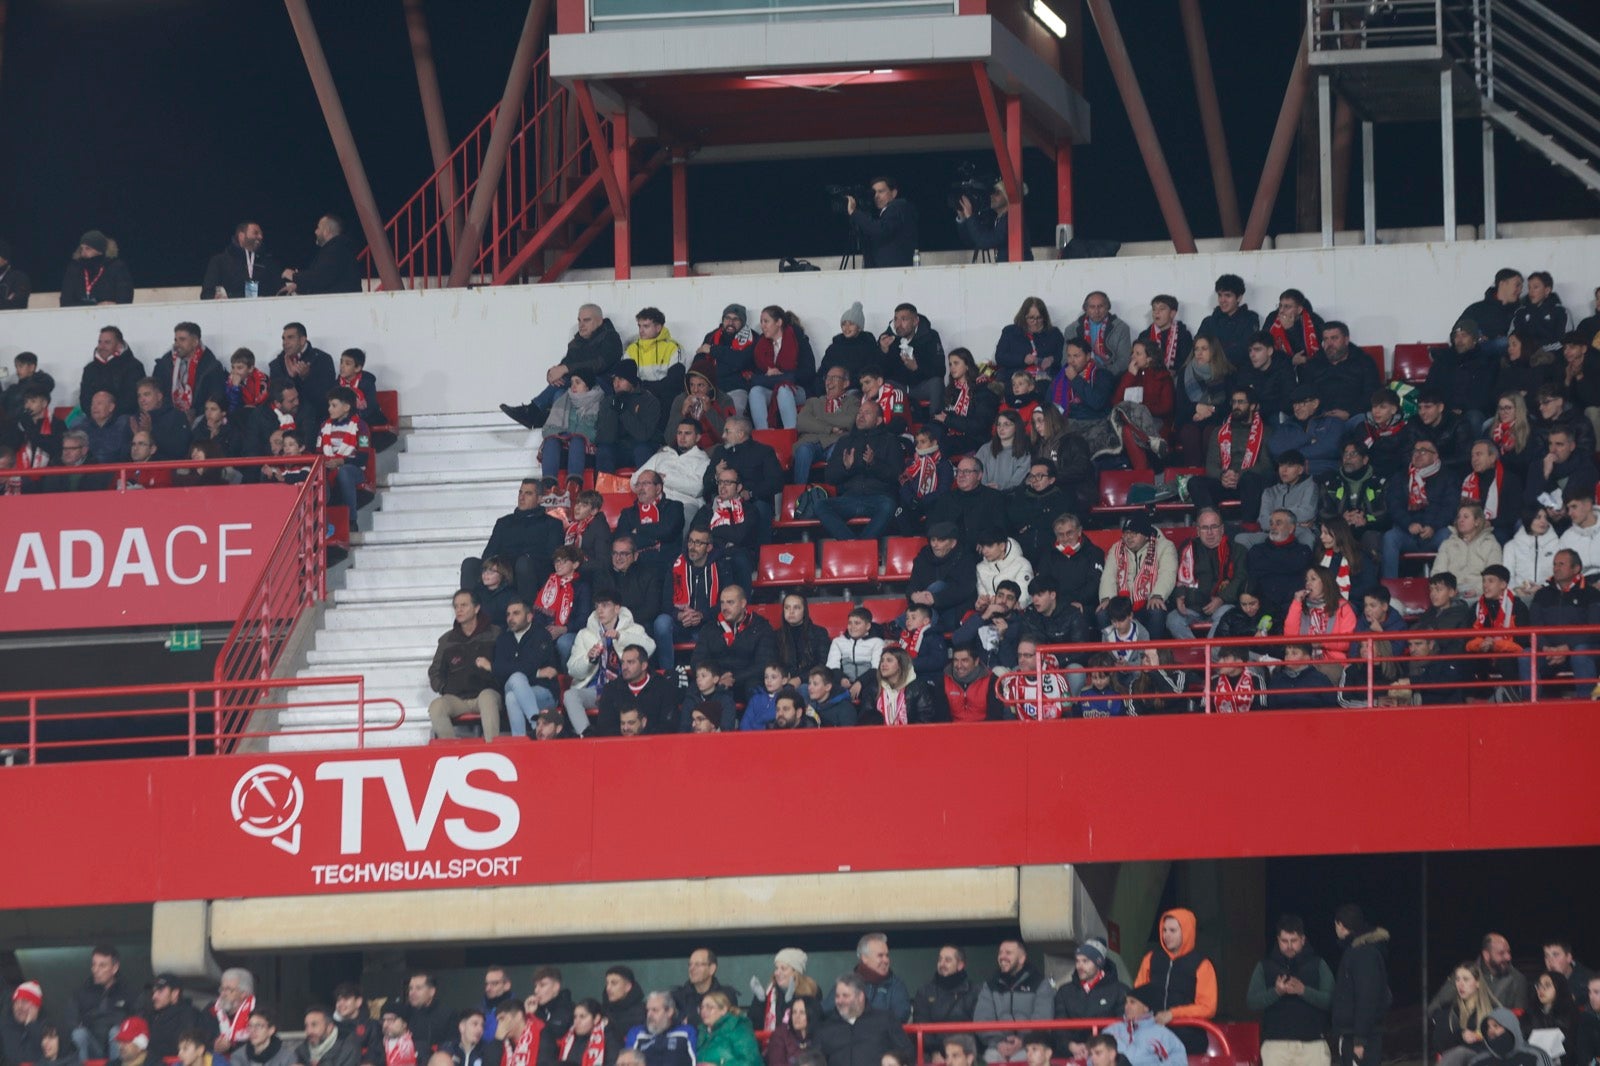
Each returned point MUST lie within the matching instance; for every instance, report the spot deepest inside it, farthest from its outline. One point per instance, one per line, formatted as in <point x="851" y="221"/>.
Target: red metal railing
<point x="196" y="703"/>
<point x="129" y="475"/>
<point x="547" y="163"/>
<point x="293" y="578"/>
<point x="1368" y="658"/>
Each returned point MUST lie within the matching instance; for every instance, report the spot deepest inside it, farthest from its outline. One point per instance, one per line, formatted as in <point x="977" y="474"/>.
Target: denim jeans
<point x="1397" y="542"/>
<point x="834" y="512"/>
<point x="788" y="405"/>
<point x="524" y="701"/>
<point x="806" y="453"/>
<point x="661" y="633"/>
<point x="346" y="483"/>
<point x="550" y="456"/>
<point x="1179" y="621"/>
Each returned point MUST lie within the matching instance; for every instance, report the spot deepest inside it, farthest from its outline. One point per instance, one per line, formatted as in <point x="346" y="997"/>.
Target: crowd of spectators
<point x="1313" y="481"/>
<point x="1310" y="1013"/>
<point x="192" y="406"/>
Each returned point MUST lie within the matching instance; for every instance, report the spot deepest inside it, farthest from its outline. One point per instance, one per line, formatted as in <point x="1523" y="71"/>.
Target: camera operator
<point x="986" y="235"/>
<point x="890" y="240"/>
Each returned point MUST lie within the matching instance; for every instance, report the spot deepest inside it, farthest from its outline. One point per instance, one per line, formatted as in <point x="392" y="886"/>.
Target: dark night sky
<point x="164" y="121"/>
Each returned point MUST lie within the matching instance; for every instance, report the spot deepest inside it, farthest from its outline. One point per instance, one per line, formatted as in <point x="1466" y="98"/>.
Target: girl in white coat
<point x="1530" y="551"/>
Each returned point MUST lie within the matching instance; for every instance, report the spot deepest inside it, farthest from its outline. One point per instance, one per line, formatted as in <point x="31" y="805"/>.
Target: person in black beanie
<point x="1361" y="994"/>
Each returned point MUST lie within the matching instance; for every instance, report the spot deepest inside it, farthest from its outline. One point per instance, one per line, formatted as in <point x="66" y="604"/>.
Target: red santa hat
<point x="29" y="991"/>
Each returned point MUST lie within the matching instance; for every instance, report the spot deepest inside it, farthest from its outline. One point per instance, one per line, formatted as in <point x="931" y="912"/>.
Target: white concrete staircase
<point x="456" y="474"/>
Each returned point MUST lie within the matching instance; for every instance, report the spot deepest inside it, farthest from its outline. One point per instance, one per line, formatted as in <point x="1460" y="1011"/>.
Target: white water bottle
<point x="916" y="257"/>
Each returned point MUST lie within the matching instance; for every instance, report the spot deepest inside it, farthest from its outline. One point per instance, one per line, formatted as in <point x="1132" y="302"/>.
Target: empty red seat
<point x="616" y="503"/>
<point x="389" y="404"/>
<point x="898" y="555"/>
<point x="1409" y="594"/>
<point x="1104" y="539"/>
<point x="781" y="441"/>
<point x="1114" y="486"/>
<point x="885" y="608"/>
<point x="1376" y="351"/>
<point x="369" y="472"/>
<point x="1412" y="362"/>
<point x="772" y="612"/>
<point x="831" y="615"/>
<point x="1179" y="535"/>
<point x="849" y="562"/>
<point x="786" y="566"/>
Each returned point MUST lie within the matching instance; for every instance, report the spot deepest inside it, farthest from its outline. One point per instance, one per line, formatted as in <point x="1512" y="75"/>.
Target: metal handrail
<point x="123" y="469"/>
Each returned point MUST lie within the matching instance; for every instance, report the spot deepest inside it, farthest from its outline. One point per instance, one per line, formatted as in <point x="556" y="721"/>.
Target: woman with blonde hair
<point x="1030" y="343"/>
<point x="1454" y="1031"/>
<point x="1510" y="431"/>
<point x="725" y="1035"/>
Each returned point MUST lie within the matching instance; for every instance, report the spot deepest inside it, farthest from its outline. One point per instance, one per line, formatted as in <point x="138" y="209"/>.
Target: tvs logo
<point x="267" y="801"/>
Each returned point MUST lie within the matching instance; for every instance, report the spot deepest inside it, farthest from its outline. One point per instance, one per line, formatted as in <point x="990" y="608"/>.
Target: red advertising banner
<point x="515" y="812"/>
<point x="87" y="560"/>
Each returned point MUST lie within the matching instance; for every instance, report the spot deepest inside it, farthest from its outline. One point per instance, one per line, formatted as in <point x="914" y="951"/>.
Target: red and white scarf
<point x="1341" y="573"/>
<point x="830" y="405"/>
<point x="892" y="704"/>
<point x="726" y="512"/>
<point x="649" y="514"/>
<point x="1169" y="347"/>
<point x="1371" y="432"/>
<point x="911" y="639"/>
<point x="680" y="583"/>
<point x="1417" y="485"/>
<point x="400" y="1050"/>
<point x="576" y="529"/>
<point x="557" y="597"/>
<point x="963" y="400"/>
<point x="1314" y="617"/>
<point x="353" y="383"/>
<point x="521" y="1052"/>
<point x="730" y="633"/>
<point x="1069" y="550"/>
<point x="890" y="400"/>
<point x="235" y="1027"/>
<point x="925" y="470"/>
<point x="594" y="1050"/>
<point x="1252" y="443"/>
<point x="1234" y="697"/>
<point x="1186" y="576"/>
<point x="1504" y="620"/>
<point x="1144" y="582"/>
<point x="1504" y="435"/>
<point x="183" y="383"/>
<point x="1308" y="330"/>
<point x="1095" y="335"/>
<point x="1472" y="490"/>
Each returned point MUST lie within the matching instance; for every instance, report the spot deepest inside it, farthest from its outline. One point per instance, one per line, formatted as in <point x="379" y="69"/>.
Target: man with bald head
<point x="594" y="350"/>
<point x="1495" y="973"/>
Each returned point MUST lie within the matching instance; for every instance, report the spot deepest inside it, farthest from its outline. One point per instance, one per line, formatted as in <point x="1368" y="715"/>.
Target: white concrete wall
<point x="465" y="350"/>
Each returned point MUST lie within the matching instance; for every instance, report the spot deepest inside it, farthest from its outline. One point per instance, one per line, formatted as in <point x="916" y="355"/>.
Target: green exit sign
<point x="184" y="640"/>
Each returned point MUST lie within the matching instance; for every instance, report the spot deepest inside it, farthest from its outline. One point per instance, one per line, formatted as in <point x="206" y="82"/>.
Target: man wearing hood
<point x="1292" y="988"/>
<point x="1018" y="992"/>
<point x="1182" y="979"/>
<point x="593" y="350"/>
<point x="1361" y="994"/>
<point x="241" y="269"/>
<point x="1142" y="1037"/>
<point x="332" y="269"/>
<point x="462" y="671"/>
<point x="96" y="275"/>
<point x="1421" y="500"/>
<point x="915" y="356"/>
<point x="1503" y="1044"/>
<point x="1092" y="992"/>
<point x="950" y="995"/>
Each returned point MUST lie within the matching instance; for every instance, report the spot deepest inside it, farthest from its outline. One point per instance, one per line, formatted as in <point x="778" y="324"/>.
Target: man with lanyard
<point x="239" y="270"/>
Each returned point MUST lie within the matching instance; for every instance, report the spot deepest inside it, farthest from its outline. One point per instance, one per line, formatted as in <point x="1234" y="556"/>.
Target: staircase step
<point x="420" y="523"/>
<point x="389" y="616"/>
<point x="505" y="480"/>
<point x="376" y="638"/>
<point x="381" y="677"/>
<point x="442" y="532"/>
<point x="412" y="734"/>
<point x="462" y="420"/>
<point x="510" y="437"/>
<point x="393" y="557"/>
<point x="506" y="462"/>
<point x="397" y="596"/>
<point x="357" y="659"/>
<point x="496" y="495"/>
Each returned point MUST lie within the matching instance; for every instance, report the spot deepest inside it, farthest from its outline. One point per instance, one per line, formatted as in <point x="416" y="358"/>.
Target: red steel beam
<point x="433" y="111"/>
<point x="344" y="144"/>
<point x="597" y="139"/>
<point x="557" y="219"/>
<point x="1255" y="231"/>
<point x="1144" y="131"/>
<point x="1064" y="183"/>
<point x="1016" y="236"/>
<point x="584" y="239"/>
<point x="680" y="217"/>
<point x="494" y="157"/>
<point x="997" y="131"/>
<point x="1205" y="92"/>
<point x="622" y="246"/>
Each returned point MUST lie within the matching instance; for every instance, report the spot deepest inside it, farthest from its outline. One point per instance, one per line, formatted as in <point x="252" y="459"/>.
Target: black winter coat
<point x="228" y="270"/>
<point x="332" y="269"/>
<point x="880" y="477"/>
<point x="119" y="376"/>
<point x="1234" y="331"/>
<point x="753" y="647"/>
<point x="888" y="240"/>
<point x="1105" y="1000"/>
<point x="1077" y="574"/>
<point x="1361" y="994"/>
<point x="945" y="999"/>
<point x="1031" y="516"/>
<point x="596" y="354"/>
<point x="972" y="512"/>
<point x="854" y="354"/>
<point x="657" y="701"/>
<point x="320" y="377"/>
<point x="865" y="1042"/>
<point x="921" y="706"/>
<point x="958" y="571"/>
<point x="665" y="535"/>
<point x="209" y="380"/>
<point x="87" y="282"/>
<point x="757" y="465"/>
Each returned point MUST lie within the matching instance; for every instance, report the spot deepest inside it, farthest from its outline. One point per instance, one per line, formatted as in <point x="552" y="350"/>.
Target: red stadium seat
<point x="1412" y="362"/>
<point x="616" y="503"/>
<point x="786" y="518"/>
<point x="339" y="527"/>
<point x="848" y="562"/>
<point x="772" y="612"/>
<point x="786" y="566"/>
<point x="369" y="472"/>
<point x="1104" y="539"/>
<point x="389" y="404"/>
<point x="898" y="555"/>
<point x="781" y="441"/>
<point x="1376" y="351"/>
<point x="60" y="414"/>
<point x="1410" y="594"/>
<point x="1179" y="535"/>
<point x="831" y="615"/>
<point x="885" y="608"/>
<point x="1114" y="486"/>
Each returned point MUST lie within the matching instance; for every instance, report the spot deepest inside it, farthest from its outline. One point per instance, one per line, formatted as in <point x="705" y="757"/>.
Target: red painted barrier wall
<point x="463" y="815"/>
<point x="87" y="560"/>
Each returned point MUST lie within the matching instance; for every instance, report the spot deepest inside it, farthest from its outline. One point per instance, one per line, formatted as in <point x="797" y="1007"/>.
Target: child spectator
<point x="928" y="651"/>
<point x="37" y="428"/>
<point x="246" y="385"/>
<point x="28" y="372"/>
<point x="701" y="404"/>
<point x="927" y="475"/>
<point x="562" y="604"/>
<point x="214" y="426"/>
<point x="1247" y="621"/>
<point x="588" y="529"/>
<point x="856" y="653"/>
<point x="1123" y="628"/>
<point x="637" y="414"/>
<point x="1102" y="697"/>
<point x="1288" y="684"/>
<point x="891" y="399"/>
<point x="497" y="590"/>
<point x="343" y="442"/>
<point x="292" y="445"/>
<point x="1236" y="689"/>
<point x="707" y="700"/>
<point x="353" y="375"/>
<point x="762" y="706"/>
<point x="658" y="357"/>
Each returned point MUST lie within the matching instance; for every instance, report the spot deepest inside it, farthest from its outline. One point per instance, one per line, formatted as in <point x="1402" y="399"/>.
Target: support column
<point x="620" y="231"/>
<point x="1255" y="230"/>
<point x="494" y="157"/>
<point x="1016" y="233"/>
<point x="1325" y="155"/>
<point x="1447" y="150"/>
<point x="344" y="144"/>
<point x="680" y="217"/>
<point x="433" y="114"/>
<point x="1144" y="130"/>
<point x="1063" y="195"/>
<point x="1205" y="93"/>
<point x="1369" y="188"/>
<point x="1491" y="222"/>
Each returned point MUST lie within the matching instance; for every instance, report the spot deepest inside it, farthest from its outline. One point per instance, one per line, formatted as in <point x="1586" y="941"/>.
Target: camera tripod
<point x="847" y="261"/>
